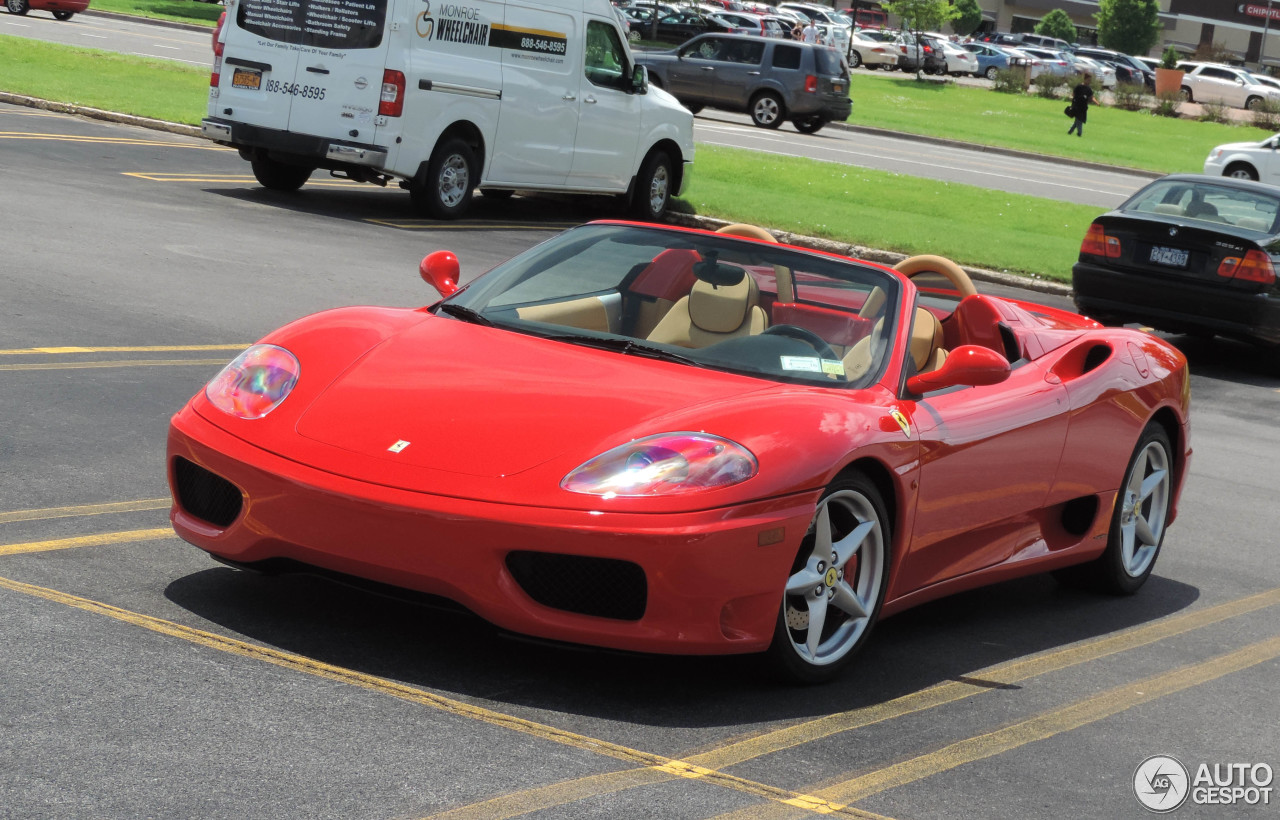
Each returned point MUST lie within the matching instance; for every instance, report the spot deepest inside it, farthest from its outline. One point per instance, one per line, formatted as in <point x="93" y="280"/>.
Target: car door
<point x="737" y="72"/>
<point x="989" y="456"/>
<point x="691" y="76"/>
<point x="608" y="114"/>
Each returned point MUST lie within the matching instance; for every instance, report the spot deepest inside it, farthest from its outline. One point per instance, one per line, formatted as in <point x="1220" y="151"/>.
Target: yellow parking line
<point x="979" y="682"/>
<point x="301" y="663"/>
<point x="1044" y="726"/>
<point x="103" y="539"/>
<point x="242" y="179"/>
<point x="118" y="363"/>
<point x="29" y="351"/>
<point x="84" y="509"/>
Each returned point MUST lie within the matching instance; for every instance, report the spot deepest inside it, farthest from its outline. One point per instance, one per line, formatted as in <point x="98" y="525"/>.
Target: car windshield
<point x="705" y="300"/>
<point x="1207" y="202"/>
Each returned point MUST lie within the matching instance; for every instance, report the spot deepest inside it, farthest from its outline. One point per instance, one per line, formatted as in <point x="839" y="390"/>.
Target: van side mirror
<point x="968" y="365"/>
<point x="640" y="80"/>
<point x="440" y="270"/>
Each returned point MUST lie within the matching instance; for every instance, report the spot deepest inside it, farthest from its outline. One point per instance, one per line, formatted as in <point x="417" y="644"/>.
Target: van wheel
<point x="277" y="176"/>
<point x="63" y="15"/>
<point x="18" y="7"/>
<point x="652" y="192"/>
<point x="445" y="191"/>
<point x="767" y="110"/>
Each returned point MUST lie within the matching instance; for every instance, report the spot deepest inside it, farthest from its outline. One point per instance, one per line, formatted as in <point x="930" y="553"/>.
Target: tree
<point x="1128" y="26"/>
<point x="1057" y="24"/>
<point x="968" y="17"/>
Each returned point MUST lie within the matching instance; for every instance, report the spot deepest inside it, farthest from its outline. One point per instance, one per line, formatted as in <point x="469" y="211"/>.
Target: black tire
<point x="1116" y="572"/>
<point x="1241" y="170"/>
<point x="651" y="194"/>
<point x="63" y="15"/>
<point x="279" y="176"/>
<point x="443" y="190"/>
<point x="767" y="110"/>
<point x="855" y="59"/>
<point x="873" y="67"/>
<point x="496" y="193"/>
<point x="809" y="125"/>
<point x="18" y="7"/>
<point x="815" y="579"/>
<point x="992" y="73"/>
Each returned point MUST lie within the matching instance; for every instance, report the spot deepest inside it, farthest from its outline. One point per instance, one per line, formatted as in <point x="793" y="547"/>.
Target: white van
<point x="445" y="97"/>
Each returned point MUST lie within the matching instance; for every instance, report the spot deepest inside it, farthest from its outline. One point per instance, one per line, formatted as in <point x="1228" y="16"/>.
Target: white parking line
<point x="94" y="36"/>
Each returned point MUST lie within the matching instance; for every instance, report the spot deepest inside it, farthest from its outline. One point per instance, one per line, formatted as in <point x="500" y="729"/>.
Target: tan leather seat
<point x="927" y="351"/>
<point x="712" y="313"/>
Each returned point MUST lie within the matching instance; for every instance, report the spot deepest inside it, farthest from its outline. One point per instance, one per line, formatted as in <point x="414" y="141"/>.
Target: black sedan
<point x="1187" y="254"/>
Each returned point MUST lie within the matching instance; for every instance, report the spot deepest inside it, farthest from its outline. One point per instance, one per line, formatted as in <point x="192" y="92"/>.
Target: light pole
<point x="1266" y="31"/>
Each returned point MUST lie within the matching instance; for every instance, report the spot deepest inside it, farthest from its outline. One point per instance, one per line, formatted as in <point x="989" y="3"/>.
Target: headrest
<point x="926" y="337"/>
<point x="722" y="309"/>
<point x="749" y="231"/>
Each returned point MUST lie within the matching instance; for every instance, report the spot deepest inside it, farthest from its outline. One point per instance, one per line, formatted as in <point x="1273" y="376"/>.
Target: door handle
<point x="315" y="69"/>
<point x="754" y="73"/>
<point x="590" y="100"/>
<point x="708" y="68"/>
<point x="569" y="97"/>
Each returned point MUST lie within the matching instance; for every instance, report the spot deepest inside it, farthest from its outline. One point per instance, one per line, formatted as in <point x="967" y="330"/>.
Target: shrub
<point x="1213" y="112"/>
<point x="1167" y="104"/>
<point x="1131" y="96"/>
<point x="1010" y="81"/>
<point x="1047" y="85"/>
<point x="1266" y="114"/>
<point x="1170" y="58"/>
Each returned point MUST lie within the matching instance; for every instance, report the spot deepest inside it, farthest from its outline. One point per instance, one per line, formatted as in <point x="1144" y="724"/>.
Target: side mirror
<point x="640" y="80"/>
<point x="968" y="366"/>
<point x="440" y="270"/>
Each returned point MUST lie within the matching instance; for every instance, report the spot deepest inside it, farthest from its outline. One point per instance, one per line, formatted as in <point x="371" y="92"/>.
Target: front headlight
<point x="665" y="464"/>
<point x="255" y="382"/>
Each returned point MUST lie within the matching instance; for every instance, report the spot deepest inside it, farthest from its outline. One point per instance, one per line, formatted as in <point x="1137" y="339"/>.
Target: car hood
<point x="1240" y="146"/>
<point x="449" y="397"/>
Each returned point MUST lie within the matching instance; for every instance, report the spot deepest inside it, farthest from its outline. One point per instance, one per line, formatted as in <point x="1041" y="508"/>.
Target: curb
<point x="151" y="21"/>
<point x="883" y="257"/>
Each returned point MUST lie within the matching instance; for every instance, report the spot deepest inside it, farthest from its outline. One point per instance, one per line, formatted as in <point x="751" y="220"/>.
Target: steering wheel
<point x="805" y="335"/>
<point x="929" y="263"/>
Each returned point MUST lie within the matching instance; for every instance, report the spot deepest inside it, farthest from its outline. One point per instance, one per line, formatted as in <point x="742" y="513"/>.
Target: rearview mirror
<point x="967" y="366"/>
<point x="440" y="270"/>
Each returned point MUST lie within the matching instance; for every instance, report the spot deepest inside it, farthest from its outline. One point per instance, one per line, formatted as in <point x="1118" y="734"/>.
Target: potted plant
<point x="1168" y="75"/>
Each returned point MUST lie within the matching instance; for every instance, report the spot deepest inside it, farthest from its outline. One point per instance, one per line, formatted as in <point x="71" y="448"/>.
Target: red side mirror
<point x="440" y="271"/>
<point x="968" y="365"/>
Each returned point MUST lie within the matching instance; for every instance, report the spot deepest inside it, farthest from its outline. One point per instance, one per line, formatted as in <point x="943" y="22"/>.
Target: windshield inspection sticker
<point x="833" y="367"/>
<point x="809" y="364"/>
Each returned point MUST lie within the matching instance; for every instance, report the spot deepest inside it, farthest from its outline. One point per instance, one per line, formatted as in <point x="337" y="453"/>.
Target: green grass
<point x="1129" y="138"/>
<point x="162" y="89"/>
<point x="973" y="226"/>
<point x="183" y="11"/>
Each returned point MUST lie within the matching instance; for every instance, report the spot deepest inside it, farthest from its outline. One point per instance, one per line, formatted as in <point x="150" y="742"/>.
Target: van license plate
<point x="1173" y="257"/>
<point x="246" y="78"/>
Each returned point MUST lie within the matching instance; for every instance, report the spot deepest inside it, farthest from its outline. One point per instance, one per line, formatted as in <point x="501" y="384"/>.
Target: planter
<point x="1168" y="80"/>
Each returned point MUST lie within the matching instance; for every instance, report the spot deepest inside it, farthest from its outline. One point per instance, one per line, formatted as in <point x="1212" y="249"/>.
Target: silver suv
<point x="772" y="80"/>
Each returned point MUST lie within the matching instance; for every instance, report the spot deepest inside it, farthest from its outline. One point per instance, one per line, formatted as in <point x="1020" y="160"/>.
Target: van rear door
<point x="321" y="64"/>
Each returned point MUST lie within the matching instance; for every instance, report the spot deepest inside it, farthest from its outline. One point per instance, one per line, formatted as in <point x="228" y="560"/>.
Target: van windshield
<point x="335" y="24"/>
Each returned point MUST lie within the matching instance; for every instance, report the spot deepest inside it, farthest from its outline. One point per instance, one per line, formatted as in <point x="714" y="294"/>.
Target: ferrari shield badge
<point x="902" y="421"/>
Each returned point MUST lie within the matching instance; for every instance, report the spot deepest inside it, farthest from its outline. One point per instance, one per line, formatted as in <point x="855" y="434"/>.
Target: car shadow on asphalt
<point x="403" y="640"/>
<point x="1229" y="360"/>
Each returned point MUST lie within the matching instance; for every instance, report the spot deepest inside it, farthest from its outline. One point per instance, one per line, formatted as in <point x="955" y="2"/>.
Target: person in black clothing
<point x="1081" y="98"/>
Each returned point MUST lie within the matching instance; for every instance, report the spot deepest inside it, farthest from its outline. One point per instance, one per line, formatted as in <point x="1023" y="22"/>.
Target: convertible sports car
<point x="680" y="441"/>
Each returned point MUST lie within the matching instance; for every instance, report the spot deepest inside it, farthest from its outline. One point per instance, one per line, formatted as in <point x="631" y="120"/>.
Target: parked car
<point x="1246" y="160"/>
<point x="1105" y="74"/>
<point x="60" y="9"/>
<point x="872" y="54"/>
<point x="958" y="60"/>
<point x="1044" y="41"/>
<point x="772" y="80"/>
<point x="919" y="54"/>
<point x="991" y="59"/>
<point x="1128" y="69"/>
<point x="798" y="445"/>
<point x="837" y="30"/>
<point x="748" y="23"/>
<point x="1052" y="62"/>
<point x="1225" y="85"/>
<point x="1188" y="254"/>
<point x="684" y="25"/>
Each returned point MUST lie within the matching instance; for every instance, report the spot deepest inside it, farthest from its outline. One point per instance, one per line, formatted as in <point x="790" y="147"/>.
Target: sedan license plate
<point x="1173" y="257"/>
<point x="246" y="78"/>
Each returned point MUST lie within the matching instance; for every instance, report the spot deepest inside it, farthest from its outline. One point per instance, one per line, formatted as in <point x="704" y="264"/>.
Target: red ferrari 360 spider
<point x="679" y="441"/>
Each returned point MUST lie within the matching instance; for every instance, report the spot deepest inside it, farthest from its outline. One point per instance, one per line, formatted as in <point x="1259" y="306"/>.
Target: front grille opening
<point x="205" y="495"/>
<point x="604" y="587"/>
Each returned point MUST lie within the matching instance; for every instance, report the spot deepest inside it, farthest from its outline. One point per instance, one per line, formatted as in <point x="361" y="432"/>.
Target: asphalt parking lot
<point x="141" y="678"/>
